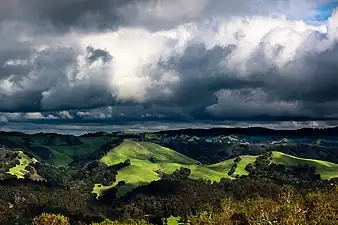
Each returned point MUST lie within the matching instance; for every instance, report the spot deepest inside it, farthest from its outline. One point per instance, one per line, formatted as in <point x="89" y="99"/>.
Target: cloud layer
<point x="179" y="60"/>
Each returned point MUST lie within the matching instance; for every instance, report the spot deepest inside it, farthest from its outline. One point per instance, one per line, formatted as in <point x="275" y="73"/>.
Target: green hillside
<point x="147" y="158"/>
<point x="88" y="145"/>
<point x="327" y="170"/>
<point x="58" y="150"/>
<point x="18" y="164"/>
<point x="19" y="170"/>
<point x="59" y="159"/>
<point x="240" y="170"/>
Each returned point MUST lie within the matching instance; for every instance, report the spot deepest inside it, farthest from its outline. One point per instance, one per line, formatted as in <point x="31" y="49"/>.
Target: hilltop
<point x="148" y="161"/>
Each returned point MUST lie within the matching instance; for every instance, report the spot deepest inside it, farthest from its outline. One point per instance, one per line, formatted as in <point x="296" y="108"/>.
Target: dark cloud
<point x="158" y="14"/>
<point x="147" y="60"/>
<point x="97" y="54"/>
<point x="65" y="14"/>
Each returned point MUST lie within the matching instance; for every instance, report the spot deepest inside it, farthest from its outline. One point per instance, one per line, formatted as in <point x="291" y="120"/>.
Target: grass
<point x="227" y="164"/>
<point x="143" y="171"/>
<point x="19" y="170"/>
<point x="144" y="151"/>
<point x="90" y="144"/>
<point x="152" y="136"/>
<point x="173" y="220"/>
<point x="55" y="157"/>
<point x="245" y="160"/>
<point x="59" y="159"/>
<point x="61" y="153"/>
<point x="327" y="170"/>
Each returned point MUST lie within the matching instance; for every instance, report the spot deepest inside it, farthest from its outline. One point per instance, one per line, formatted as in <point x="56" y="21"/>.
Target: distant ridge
<point x="256" y="131"/>
<point x="331" y="131"/>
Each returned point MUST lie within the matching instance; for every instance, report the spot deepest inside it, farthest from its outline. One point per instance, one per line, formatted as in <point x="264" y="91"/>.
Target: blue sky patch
<point x="325" y="11"/>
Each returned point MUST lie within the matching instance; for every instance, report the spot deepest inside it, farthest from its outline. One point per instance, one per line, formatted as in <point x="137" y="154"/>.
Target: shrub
<point x="290" y="208"/>
<point x="249" y="167"/>
<point x="233" y="169"/>
<point x="50" y="219"/>
<point x="128" y="222"/>
<point x="237" y="159"/>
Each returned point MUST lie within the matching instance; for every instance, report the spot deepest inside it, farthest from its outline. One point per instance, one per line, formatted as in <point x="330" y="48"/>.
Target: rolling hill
<point x="147" y="159"/>
<point x="240" y="169"/>
<point x="327" y="170"/>
<point x="55" y="149"/>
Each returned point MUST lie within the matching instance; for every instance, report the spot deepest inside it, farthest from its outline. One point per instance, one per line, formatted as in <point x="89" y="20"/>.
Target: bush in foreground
<point x="58" y="219"/>
<point x="128" y="222"/>
<point x="318" y="207"/>
<point x="50" y="219"/>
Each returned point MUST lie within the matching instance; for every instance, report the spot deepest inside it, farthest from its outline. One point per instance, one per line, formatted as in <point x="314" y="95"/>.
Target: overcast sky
<point x="177" y="60"/>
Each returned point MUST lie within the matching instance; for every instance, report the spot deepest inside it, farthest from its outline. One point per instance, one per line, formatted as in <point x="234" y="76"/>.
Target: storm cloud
<point x="179" y="60"/>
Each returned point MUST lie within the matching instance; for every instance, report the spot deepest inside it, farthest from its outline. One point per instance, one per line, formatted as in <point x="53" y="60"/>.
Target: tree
<point x="237" y="159"/>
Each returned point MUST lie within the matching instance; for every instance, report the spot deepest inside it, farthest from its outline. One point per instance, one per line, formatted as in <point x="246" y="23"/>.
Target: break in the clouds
<point x="179" y="60"/>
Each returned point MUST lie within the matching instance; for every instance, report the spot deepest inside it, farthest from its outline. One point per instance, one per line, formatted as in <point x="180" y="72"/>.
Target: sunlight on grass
<point x="147" y="158"/>
<point x="327" y="170"/>
<point x="19" y="170"/>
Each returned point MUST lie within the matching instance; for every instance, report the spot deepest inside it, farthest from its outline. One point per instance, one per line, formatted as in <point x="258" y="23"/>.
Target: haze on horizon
<point x="179" y="61"/>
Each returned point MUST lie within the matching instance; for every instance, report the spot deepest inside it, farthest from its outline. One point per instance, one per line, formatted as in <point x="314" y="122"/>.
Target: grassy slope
<point x="327" y="170"/>
<point x="61" y="153"/>
<point x="19" y="170"/>
<point x="59" y="159"/>
<point x="143" y="171"/>
<point x="226" y="165"/>
<point x="56" y="158"/>
<point x="89" y="145"/>
<point x="173" y="220"/>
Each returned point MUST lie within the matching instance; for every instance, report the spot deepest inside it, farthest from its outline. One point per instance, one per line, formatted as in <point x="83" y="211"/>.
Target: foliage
<point x="127" y="222"/>
<point x="50" y="219"/>
<point x="290" y="208"/>
<point x="233" y="169"/>
<point x="21" y="200"/>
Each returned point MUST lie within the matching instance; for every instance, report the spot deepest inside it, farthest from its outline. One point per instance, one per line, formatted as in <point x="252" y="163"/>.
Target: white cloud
<point x="65" y="115"/>
<point x="38" y="116"/>
<point x="83" y="114"/>
<point x="34" y="116"/>
<point x="5" y="117"/>
<point x="261" y="44"/>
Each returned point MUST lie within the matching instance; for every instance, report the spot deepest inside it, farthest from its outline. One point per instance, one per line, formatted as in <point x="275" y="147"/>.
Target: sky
<point x="118" y="61"/>
<point x="324" y="10"/>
